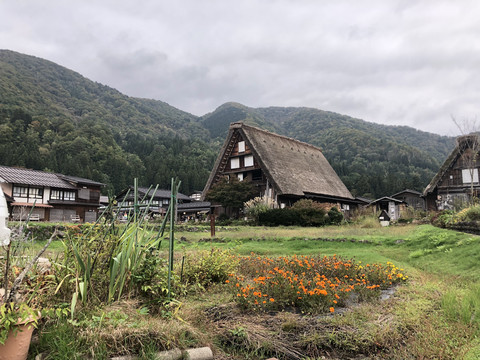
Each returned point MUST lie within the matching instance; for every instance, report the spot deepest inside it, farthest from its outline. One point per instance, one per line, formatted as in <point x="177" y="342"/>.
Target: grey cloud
<point x="396" y="62"/>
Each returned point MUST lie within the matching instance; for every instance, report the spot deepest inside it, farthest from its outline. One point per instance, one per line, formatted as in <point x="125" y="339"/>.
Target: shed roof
<point x="195" y="206"/>
<point x="407" y="191"/>
<point x="295" y="167"/>
<point x="160" y="193"/>
<point x="386" y="199"/>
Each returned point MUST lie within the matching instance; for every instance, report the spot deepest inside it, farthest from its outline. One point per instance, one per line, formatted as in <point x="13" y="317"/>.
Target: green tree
<point x="232" y="193"/>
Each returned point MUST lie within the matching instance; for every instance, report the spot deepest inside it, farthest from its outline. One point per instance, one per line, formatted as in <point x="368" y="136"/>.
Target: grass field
<point x="435" y="315"/>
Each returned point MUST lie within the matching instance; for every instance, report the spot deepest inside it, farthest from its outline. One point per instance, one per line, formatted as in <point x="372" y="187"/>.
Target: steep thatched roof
<point x="462" y="143"/>
<point x="294" y="167"/>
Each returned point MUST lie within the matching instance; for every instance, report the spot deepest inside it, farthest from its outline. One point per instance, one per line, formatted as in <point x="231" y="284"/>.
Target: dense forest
<point x="54" y="119"/>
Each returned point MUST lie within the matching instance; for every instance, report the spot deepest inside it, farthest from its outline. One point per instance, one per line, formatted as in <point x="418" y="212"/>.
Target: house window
<point x="248" y="160"/>
<point x="35" y="193"/>
<point x="20" y="191"/>
<point x="345" y="207"/>
<point x="467" y="176"/>
<point x="235" y="163"/>
<point x="56" y="194"/>
<point x="241" y="146"/>
<point x="69" y="195"/>
<point x="257" y="175"/>
<point x="240" y="176"/>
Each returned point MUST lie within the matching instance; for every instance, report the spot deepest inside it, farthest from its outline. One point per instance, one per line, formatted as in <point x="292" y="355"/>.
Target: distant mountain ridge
<point x="41" y="87"/>
<point x="54" y="118"/>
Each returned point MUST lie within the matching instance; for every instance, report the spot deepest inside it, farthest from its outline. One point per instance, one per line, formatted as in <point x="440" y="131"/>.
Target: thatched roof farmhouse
<point x="457" y="177"/>
<point x="282" y="168"/>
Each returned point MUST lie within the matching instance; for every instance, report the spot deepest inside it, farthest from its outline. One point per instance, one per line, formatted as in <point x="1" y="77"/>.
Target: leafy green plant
<point x="17" y="310"/>
<point x="11" y="315"/>
<point x="209" y="267"/>
<point x="335" y="217"/>
<point x="473" y="214"/>
<point x="150" y="278"/>
<point x="257" y="205"/>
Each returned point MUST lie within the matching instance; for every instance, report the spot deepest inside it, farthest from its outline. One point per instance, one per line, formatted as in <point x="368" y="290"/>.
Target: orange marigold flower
<point x="272" y="299"/>
<point x="227" y="281"/>
<point x="332" y="309"/>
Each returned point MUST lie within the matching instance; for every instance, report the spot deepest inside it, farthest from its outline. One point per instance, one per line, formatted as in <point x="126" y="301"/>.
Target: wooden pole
<point x="173" y="210"/>
<point x="212" y="221"/>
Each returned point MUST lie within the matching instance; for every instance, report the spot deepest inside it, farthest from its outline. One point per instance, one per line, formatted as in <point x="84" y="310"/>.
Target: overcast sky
<point x="412" y="63"/>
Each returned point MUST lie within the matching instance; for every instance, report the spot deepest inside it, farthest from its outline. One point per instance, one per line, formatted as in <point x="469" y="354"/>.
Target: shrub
<point x="276" y="217"/>
<point x="209" y="267"/>
<point x="473" y="214"/>
<point x="293" y="217"/>
<point x="150" y="278"/>
<point x="258" y="205"/>
<point x="443" y="218"/>
<point x="335" y="217"/>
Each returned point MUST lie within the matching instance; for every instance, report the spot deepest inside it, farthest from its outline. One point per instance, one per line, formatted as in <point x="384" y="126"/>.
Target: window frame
<point x="250" y="163"/>
<point x="35" y="193"/>
<point x="467" y="176"/>
<point x="22" y="194"/>
<point x="241" y="146"/>
<point x="235" y="161"/>
<point x="67" y="195"/>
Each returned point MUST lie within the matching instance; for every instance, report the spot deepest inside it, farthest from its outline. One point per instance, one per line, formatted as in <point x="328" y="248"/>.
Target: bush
<point x="335" y="217"/>
<point x="299" y="217"/>
<point x="443" y="218"/>
<point x="256" y="206"/>
<point x="209" y="267"/>
<point x="276" y="217"/>
<point x="473" y="214"/>
<point x="151" y="278"/>
<point x="369" y="222"/>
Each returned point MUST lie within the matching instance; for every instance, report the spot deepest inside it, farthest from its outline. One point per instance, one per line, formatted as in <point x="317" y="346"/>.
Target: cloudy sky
<point x="412" y="63"/>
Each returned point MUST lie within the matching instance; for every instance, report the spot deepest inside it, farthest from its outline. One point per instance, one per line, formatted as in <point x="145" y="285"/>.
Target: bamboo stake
<point x="20" y="277"/>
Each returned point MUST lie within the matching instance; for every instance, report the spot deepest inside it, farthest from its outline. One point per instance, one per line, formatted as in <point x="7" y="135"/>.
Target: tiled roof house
<point x="53" y="197"/>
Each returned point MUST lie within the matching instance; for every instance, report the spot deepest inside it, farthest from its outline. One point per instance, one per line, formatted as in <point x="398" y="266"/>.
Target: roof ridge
<point x="239" y="125"/>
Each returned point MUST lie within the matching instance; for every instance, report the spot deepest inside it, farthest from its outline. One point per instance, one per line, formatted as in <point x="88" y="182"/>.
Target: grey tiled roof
<point x="160" y="193"/>
<point x="79" y="180"/>
<point x="194" y="205"/>
<point x="32" y="177"/>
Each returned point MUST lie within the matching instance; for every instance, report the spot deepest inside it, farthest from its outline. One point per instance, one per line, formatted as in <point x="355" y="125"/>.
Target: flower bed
<point x="309" y="284"/>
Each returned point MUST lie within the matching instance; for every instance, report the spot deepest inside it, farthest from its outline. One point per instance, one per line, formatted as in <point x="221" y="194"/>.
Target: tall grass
<point x="134" y="243"/>
<point x="462" y="305"/>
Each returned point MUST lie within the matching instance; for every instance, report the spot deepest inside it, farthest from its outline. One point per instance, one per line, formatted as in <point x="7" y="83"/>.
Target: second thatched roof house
<point x="283" y="169"/>
<point x="457" y="180"/>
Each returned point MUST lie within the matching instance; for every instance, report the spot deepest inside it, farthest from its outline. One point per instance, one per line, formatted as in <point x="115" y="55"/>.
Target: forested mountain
<point x="52" y="118"/>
